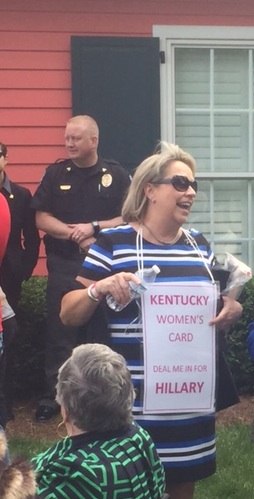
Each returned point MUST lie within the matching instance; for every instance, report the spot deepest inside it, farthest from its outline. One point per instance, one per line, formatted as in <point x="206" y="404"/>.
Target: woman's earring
<point x="58" y="429"/>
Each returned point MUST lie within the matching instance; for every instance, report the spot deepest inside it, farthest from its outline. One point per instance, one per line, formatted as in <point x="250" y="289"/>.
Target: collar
<point x="6" y="184"/>
<point x="99" y="167"/>
<point x="93" y="436"/>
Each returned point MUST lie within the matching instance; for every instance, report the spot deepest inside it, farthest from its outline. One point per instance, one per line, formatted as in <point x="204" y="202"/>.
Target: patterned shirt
<point x="117" y="465"/>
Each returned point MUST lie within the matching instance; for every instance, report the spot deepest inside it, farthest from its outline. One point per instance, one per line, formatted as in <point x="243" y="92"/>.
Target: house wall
<point x="35" y="64"/>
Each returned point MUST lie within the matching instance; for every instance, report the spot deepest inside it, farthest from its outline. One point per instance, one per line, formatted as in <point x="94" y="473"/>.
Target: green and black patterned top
<point x="112" y="465"/>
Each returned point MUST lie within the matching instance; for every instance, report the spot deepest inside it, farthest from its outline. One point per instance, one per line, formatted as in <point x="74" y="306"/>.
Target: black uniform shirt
<point x="80" y="195"/>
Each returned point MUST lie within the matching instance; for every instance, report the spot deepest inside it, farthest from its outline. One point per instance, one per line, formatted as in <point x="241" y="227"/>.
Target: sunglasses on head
<point x="179" y="182"/>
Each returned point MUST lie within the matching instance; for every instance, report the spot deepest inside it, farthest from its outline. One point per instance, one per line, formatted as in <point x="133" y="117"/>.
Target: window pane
<point x="231" y="142"/>
<point x="210" y="86"/>
<point x="230" y="216"/>
<point x="230" y="209"/>
<point x="193" y="134"/>
<point x="192" y="77"/>
<point x="224" y="220"/>
<point x="200" y="216"/>
<point x="230" y="78"/>
<point x="253" y="77"/>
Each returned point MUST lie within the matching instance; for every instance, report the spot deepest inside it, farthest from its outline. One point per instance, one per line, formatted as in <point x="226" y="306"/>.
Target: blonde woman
<point x="158" y="203"/>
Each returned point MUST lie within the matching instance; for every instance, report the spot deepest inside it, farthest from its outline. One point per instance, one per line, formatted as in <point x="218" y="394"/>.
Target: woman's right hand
<point x="77" y="307"/>
<point x="117" y="285"/>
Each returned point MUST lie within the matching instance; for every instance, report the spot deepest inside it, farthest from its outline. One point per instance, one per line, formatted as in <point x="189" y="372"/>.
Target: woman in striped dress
<point x="158" y="203"/>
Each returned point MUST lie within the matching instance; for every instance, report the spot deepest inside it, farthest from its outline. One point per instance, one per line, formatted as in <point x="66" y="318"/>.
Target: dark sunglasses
<point x="179" y="182"/>
<point x="1" y="154"/>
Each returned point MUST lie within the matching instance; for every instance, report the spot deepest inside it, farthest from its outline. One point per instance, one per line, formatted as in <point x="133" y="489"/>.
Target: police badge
<point x="106" y="180"/>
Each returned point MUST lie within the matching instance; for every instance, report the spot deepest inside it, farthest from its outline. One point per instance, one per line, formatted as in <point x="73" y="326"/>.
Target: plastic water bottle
<point x="136" y="290"/>
<point x="149" y="275"/>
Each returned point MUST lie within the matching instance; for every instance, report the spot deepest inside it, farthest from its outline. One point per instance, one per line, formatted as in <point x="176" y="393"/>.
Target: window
<point x="207" y="107"/>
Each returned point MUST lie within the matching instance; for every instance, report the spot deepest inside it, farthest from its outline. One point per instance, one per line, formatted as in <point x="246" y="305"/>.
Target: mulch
<point x="239" y="413"/>
<point x="24" y="423"/>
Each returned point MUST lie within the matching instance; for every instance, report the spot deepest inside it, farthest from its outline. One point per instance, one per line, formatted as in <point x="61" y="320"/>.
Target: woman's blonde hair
<point x="151" y="170"/>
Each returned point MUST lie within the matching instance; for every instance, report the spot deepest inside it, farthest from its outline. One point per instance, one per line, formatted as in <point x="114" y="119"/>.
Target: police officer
<point x="75" y="199"/>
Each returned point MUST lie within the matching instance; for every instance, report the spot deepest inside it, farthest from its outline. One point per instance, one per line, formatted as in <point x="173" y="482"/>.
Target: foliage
<point x="237" y="354"/>
<point x="28" y="354"/>
<point x="32" y="304"/>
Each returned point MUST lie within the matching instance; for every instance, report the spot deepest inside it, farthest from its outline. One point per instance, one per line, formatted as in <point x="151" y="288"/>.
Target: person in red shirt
<point x="5" y="226"/>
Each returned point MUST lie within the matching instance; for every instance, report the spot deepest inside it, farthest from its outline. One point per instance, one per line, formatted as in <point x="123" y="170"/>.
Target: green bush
<point x="29" y="345"/>
<point x="237" y="355"/>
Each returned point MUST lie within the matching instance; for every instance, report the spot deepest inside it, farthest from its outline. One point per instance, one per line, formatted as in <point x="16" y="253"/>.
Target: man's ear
<point x="95" y="141"/>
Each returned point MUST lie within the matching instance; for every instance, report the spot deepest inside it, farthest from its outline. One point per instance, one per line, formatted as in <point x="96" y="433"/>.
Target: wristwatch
<point x="96" y="228"/>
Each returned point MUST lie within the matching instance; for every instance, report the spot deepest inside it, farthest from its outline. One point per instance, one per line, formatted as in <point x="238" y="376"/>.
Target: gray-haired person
<point x="105" y="454"/>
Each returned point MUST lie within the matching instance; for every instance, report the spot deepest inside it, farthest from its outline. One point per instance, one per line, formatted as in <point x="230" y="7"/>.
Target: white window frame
<point x="172" y="36"/>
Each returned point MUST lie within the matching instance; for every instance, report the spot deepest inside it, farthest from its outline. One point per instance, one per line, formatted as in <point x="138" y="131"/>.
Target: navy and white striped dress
<point x="185" y="442"/>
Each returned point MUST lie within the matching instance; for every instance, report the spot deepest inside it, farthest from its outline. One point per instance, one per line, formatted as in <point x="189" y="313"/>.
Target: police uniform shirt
<point x="80" y="195"/>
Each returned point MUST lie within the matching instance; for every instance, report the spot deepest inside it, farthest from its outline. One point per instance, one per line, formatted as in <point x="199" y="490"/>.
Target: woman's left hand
<point x="229" y="314"/>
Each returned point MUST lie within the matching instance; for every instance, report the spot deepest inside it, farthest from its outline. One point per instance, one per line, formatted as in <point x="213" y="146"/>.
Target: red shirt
<point x="5" y="225"/>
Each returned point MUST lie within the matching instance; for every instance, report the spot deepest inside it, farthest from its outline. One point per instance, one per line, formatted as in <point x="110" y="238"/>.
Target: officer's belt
<point x="63" y="248"/>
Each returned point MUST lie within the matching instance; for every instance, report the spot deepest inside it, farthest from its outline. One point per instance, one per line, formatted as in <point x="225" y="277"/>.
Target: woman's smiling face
<point x="169" y="201"/>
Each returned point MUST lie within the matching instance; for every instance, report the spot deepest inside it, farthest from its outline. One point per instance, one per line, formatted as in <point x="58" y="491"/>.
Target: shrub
<point x="237" y="355"/>
<point x="28" y="348"/>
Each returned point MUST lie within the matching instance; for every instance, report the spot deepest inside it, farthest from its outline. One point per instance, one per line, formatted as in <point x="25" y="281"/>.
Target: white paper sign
<point x="179" y="347"/>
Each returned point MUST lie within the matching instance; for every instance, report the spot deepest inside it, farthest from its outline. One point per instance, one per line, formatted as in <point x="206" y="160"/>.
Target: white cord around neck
<point x="190" y="239"/>
<point x="194" y="245"/>
<point x="140" y="252"/>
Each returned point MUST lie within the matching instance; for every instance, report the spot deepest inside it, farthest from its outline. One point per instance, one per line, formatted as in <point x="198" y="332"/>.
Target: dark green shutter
<point x="116" y="80"/>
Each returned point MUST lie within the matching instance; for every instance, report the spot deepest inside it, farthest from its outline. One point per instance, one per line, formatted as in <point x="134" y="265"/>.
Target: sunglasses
<point x="180" y="183"/>
<point x="1" y="154"/>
